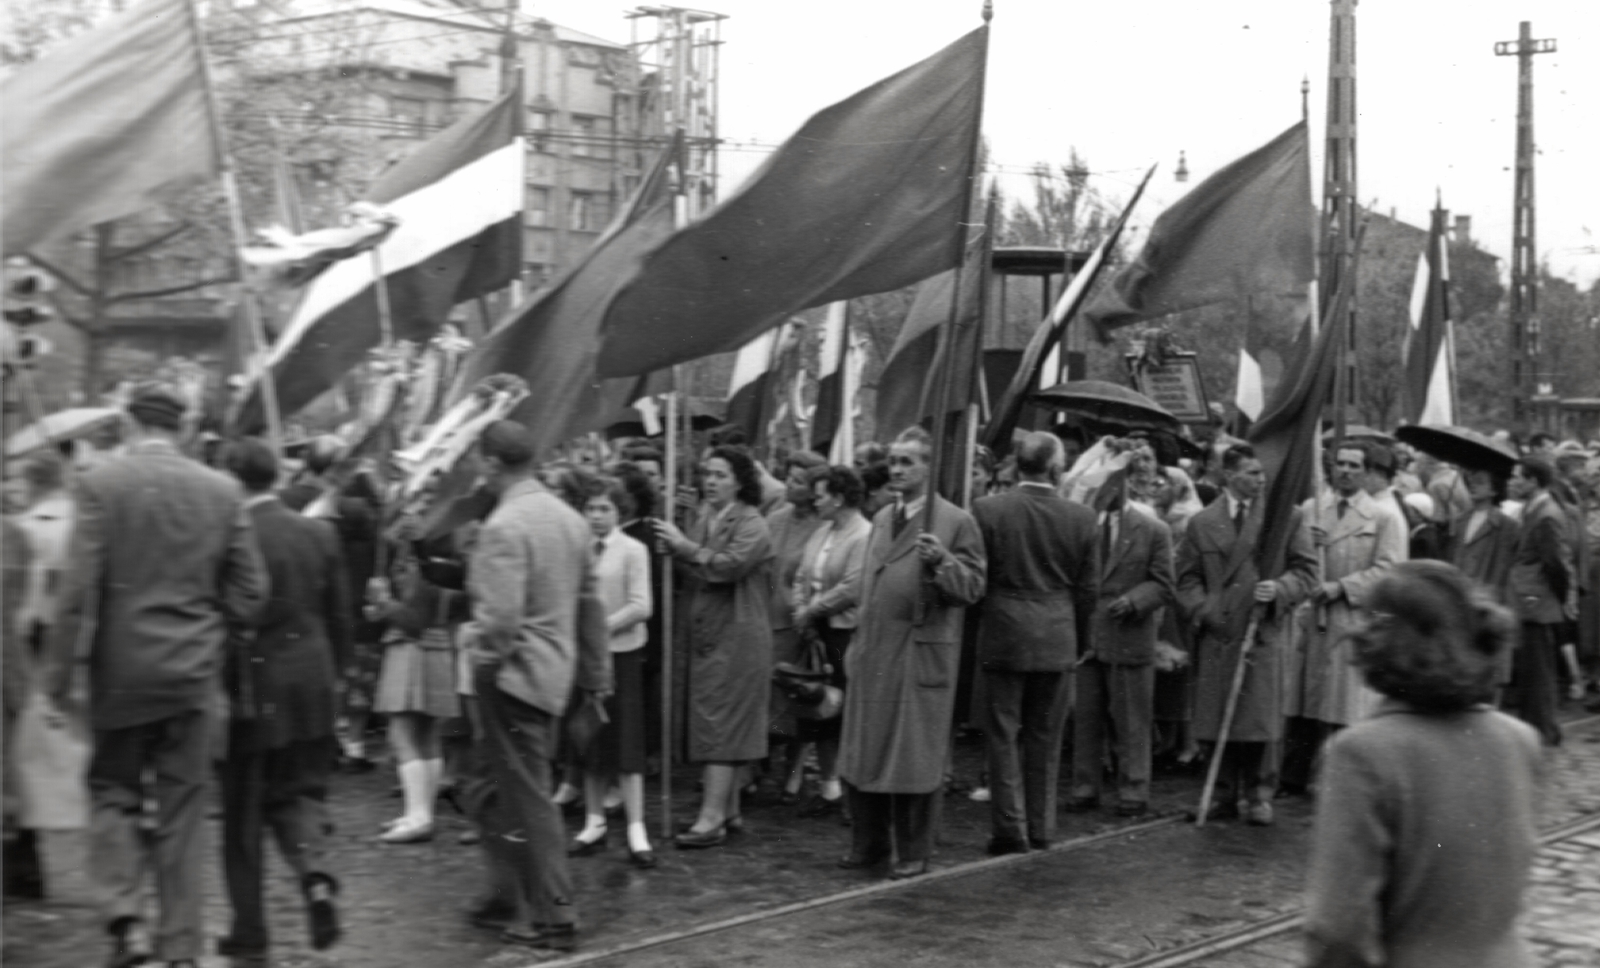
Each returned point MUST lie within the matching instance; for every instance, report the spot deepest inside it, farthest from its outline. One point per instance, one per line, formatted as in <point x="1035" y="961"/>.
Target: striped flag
<point x="750" y="389"/>
<point x="1431" y="346"/>
<point x="94" y="128"/>
<point x="459" y="202"/>
<point x="831" y="418"/>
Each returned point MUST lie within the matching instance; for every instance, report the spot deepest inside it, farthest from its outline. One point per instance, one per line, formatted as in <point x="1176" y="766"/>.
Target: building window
<point x="538" y="207"/>
<point x="587" y="212"/>
<point x="538" y="130"/>
<point x="583" y="137"/>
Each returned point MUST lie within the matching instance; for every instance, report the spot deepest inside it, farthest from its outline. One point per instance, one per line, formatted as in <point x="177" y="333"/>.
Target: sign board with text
<point x="1175" y="384"/>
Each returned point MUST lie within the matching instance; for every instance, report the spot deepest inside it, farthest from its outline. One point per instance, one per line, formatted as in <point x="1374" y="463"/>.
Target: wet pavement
<point x="780" y="901"/>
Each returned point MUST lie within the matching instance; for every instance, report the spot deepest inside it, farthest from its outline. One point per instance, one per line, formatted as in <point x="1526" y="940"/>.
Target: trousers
<point x="891" y="824"/>
<point x="177" y="752"/>
<point x="522" y="830"/>
<point x="286" y="790"/>
<point x="1025" y="715"/>
<point x="1115" y="704"/>
<point x="1533" y="693"/>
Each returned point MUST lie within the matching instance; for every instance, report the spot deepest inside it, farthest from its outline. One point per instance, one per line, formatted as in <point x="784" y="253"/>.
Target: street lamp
<point x="1181" y="173"/>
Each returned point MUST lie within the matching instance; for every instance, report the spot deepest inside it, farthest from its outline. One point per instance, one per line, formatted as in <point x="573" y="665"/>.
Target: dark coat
<point x="164" y="554"/>
<point x="1543" y="569"/>
<point x="1138" y="566"/>
<point x="1043" y="579"/>
<point x="1217" y="577"/>
<point x="304" y="632"/>
<point x="902" y="663"/>
<point x="1488" y="557"/>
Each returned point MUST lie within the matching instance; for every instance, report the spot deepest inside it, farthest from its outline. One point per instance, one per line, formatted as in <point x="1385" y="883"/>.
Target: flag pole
<point x="947" y="343"/>
<point x="236" y="225"/>
<point x="669" y="496"/>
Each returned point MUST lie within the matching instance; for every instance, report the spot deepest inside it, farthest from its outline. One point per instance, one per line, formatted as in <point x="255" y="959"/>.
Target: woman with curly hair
<point x="1426" y="812"/>
<point x="727" y="555"/>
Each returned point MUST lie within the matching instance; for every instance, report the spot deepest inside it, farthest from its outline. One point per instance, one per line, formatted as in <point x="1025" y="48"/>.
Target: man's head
<point x="1040" y="457"/>
<point x="1380" y="469"/>
<point x="908" y="462"/>
<point x="253" y="463"/>
<point x="1241" y="472"/>
<point x="1350" y="467"/>
<point x="869" y="453"/>
<point x="1541" y="443"/>
<point x="1531" y="477"/>
<point x="157" y="411"/>
<point x="507" y="454"/>
<point x="1484" y="486"/>
<point x="1571" y="460"/>
<point x="649" y="460"/>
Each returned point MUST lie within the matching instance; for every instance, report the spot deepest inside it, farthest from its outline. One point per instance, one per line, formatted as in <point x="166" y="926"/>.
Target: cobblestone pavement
<point x="1099" y="905"/>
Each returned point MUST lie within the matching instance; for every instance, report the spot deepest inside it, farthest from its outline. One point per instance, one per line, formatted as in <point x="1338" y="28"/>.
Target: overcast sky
<point x="1133" y="83"/>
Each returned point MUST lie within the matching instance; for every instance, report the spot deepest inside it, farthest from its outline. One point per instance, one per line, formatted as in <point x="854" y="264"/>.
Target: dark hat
<point x="157" y="406"/>
<point x="1380" y="457"/>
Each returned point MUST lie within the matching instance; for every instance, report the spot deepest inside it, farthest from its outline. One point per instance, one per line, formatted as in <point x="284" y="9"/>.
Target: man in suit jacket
<point x="1043" y="576"/>
<point x="538" y="639"/>
<point x="1545" y="588"/>
<point x="1360" y="539"/>
<point x="1219" y="585"/>
<point x="1483" y="541"/>
<point x="1116" y="679"/>
<point x="281" y="738"/>
<point x="901" y="665"/>
<point x="164" y="566"/>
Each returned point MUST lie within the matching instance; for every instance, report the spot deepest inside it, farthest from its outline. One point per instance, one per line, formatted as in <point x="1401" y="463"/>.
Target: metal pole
<point x="669" y="473"/>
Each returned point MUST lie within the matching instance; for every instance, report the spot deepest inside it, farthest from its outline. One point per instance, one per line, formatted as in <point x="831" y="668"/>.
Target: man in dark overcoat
<point x="902" y="663"/>
<point x="1545" y="588"/>
<point x="282" y="684"/>
<point x="1219" y="584"/>
<point x="1042" y="580"/>
<point x="1117" y="679"/>
<point x="164" y="568"/>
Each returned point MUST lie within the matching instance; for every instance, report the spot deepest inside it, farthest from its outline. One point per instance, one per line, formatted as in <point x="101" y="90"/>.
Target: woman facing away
<point x="1426" y="814"/>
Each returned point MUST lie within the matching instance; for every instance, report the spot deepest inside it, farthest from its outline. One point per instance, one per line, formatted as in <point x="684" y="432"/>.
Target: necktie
<point x="899" y="518"/>
<point x="1344" y="506"/>
<point x="1108" y="534"/>
<point x="1239" y="515"/>
<point x="599" y="550"/>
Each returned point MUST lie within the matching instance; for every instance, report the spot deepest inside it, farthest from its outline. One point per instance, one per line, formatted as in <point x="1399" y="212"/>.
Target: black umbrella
<point x="1107" y="403"/>
<point x="1465" y="448"/>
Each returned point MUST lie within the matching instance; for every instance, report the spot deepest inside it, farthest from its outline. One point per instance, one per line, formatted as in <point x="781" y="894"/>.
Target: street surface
<point x="1116" y="899"/>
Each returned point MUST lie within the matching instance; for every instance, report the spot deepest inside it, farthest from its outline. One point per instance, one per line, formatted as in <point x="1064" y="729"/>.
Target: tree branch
<point x="148" y="244"/>
<point x="171" y="290"/>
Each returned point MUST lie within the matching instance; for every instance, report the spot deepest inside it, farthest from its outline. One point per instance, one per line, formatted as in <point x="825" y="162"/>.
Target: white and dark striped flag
<point x="1430" y="352"/>
<point x="832" y="423"/>
<point x="749" y="390"/>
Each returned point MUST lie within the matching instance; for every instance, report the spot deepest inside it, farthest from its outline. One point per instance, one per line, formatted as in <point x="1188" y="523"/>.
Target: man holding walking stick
<point x="1222" y="593"/>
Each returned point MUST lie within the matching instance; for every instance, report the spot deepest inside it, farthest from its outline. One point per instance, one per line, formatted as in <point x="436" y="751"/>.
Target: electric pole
<point x="1529" y="377"/>
<point x="1340" y="211"/>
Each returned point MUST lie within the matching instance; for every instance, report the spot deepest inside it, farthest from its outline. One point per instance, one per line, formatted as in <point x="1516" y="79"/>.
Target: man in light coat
<point x="1359" y="539"/>
<point x="538" y="639"/>
<point x="1116" y="680"/>
<point x="902" y="664"/>
<point x="163" y="569"/>
<point x="1034" y="619"/>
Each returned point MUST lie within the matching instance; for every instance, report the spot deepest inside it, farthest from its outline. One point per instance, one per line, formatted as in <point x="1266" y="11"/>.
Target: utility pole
<point x="1529" y="377"/>
<point x="1340" y="211"/>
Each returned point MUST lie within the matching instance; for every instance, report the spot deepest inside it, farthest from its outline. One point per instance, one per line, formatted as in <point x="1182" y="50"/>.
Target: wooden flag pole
<point x="669" y="497"/>
<point x="1228" y="710"/>
<point x="236" y="224"/>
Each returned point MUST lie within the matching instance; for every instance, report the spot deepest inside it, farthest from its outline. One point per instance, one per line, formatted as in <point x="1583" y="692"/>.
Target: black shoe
<point x="819" y="807"/>
<point x="1040" y="843"/>
<point x="1082" y="804"/>
<point x="585" y="848"/>
<point x="691" y="840"/>
<point x="130" y="945"/>
<point x="1000" y="846"/>
<point x="549" y="937"/>
<point x="854" y="862"/>
<point x="493" y="914"/>
<point x="1130" y="808"/>
<point x="908" y="868"/>
<point x="642" y="859"/>
<point x="322" y="915"/>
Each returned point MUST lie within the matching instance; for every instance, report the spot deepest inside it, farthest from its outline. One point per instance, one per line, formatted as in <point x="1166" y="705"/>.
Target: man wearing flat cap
<point x="163" y="569"/>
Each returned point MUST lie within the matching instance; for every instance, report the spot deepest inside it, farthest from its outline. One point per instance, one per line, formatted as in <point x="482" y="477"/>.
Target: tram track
<point x="1264" y="929"/>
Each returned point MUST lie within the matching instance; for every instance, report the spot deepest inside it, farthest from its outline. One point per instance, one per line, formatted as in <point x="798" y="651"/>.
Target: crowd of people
<point x="835" y="621"/>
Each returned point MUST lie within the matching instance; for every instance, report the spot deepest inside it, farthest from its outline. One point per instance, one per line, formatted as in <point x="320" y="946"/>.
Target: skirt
<point x="619" y="747"/>
<point x="417" y="679"/>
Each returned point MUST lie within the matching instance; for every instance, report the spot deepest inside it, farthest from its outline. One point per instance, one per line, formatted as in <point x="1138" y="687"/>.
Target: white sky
<point x="1133" y="82"/>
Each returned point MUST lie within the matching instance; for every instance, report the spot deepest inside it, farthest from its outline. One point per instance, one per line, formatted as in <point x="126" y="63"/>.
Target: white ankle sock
<point x="594" y="828"/>
<point x="831" y="790"/>
<point x="638" y="839"/>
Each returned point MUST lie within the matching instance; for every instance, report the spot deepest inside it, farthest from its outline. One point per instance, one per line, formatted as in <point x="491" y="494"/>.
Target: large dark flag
<point x="908" y="384"/>
<point x="96" y="127"/>
<point x="868" y="196"/>
<point x="553" y="338"/>
<point x="1430" y="345"/>
<point x="1248" y="229"/>
<point x="459" y="202"/>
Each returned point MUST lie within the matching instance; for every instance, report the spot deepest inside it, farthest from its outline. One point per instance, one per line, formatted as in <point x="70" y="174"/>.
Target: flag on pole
<point x="553" y="338"/>
<point x="94" y="128"/>
<point x="458" y="200"/>
<point x="831" y="417"/>
<point x="1250" y="228"/>
<point x="907" y="385"/>
<point x="750" y="389"/>
<point x="868" y="196"/>
<point x="1430" y="345"/>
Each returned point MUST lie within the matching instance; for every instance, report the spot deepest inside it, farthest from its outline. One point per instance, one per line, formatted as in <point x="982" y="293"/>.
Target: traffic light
<point x="27" y="293"/>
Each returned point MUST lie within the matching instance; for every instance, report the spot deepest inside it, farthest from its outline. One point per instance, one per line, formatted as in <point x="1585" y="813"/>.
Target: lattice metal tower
<point x="1529" y="375"/>
<point x="678" y="62"/>
<point x="1340" y="210"/>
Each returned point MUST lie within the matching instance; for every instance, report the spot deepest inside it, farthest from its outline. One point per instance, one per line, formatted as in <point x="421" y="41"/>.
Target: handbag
<point x="50" y="759"/>
<point x="806" y="684"/>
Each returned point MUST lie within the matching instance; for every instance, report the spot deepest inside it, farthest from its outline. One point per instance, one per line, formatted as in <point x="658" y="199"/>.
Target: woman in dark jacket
<point x="727" y="556"/>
